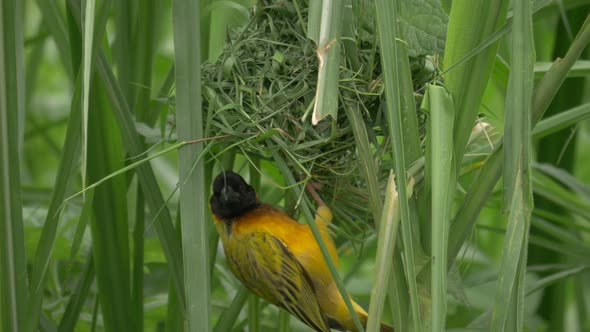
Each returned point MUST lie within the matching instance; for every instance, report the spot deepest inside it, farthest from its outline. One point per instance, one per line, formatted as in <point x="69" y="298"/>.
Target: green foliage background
<point x="143" y="102"/>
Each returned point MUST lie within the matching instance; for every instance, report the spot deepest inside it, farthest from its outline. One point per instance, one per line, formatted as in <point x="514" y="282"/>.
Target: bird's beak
<point x="228" y="194"/>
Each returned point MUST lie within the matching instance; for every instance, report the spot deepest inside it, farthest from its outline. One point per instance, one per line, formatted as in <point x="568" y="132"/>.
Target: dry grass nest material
<point x="261" y="93"/>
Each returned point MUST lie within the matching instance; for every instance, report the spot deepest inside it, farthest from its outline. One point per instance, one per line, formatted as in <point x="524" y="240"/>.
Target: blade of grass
<point x="87" y="55"/>
<point x="13" y="264"/>
<point x="290" y="180"/>
<point x="159" y="106"/>
<point x="559" y="232"/>
<point x="205" y="26"/>
<point x="398" y="296"/>
<point x="554" y="278"/>
<point x="94" y="321"/>
<point x="471" y="22"/>
<point x="547" y="187"/>
<point x="67" y="167"/>
<point x="575" y="252"/>
<point x="581" y="68"/>
<point x="55" y="23"/>
<point x="144" y="37"/>
<point x="555" y="218"/>
<point x="192" y="177"/>
<point x="138" y="259"/>
<point x="531" y="289"/>
<point x="78" y="298"/>
<point x="508" y="287"/>
<point x="314" y="20"/>
<point x="109" y="224"/>
<point x="123" y="51"/>
<point x="134" y="147"/>
<point x="491" y="39"/>
<point x="253" y="313"/>
<point x="443" y="179"/>
<point x="230" y="315"/>
<point x="388" y="227"/>
<point x="508" y="311"/>
<point x="554" y="78"/>
<point x="349" y="36"/>
<point x="517" y="122"/>
<point x="326" y="98"/>
<point x="565" y="177"/>
<point x="46" y="324"/>
<point x="284" y="319"/>
<point x="175" y="318"/>
<point x="32" y="77"/>
<point x="561" y="120"/>
<point x="153" y="195"/>
<point x="490" y="173"/>
<point x="83" y="222"/>
<point x="135" y="165"/>
<point x="216" y="16"/>
<point x="401" y="117"/>
<point x="74" y="35"/>
<point x="284" y="316"/>
<point x="363" y="149"/>
<point x="254" y="310"/>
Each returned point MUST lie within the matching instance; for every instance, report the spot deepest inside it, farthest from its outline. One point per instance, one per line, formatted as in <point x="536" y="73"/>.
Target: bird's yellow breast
<point x="297" y="237"/>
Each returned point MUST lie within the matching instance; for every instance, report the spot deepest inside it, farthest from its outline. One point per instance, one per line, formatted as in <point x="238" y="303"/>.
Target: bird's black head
<point x="232" y="196"/>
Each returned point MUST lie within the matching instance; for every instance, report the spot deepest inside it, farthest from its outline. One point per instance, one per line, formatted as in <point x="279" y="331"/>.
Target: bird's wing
<point x="266" y="266"/>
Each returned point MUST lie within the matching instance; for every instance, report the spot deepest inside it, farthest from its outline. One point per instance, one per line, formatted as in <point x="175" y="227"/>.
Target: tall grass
<point x="192" y="178"/>
<point x="402" y="121"/>
<point x="130" y="108"/>
<point x="517" y="188"/>
<point x="13" y="273"/>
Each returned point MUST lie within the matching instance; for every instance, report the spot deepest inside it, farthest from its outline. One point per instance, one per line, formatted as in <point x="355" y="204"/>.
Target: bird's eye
<point x="242" y="187"/>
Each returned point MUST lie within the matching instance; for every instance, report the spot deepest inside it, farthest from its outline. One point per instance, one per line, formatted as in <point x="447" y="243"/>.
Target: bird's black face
<point x="232" y="196"/>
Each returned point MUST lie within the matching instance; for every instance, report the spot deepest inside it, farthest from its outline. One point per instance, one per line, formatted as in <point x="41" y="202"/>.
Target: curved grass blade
<point x="326" y="98"/>
<point x="510" y="284"/>
<point x="365" y="156"/>
<point x="146" y="177"/>
<point x="490" y="173"/>
<point x="388" y="227"/>
<point x="467" y="82"/>
<point x="491" y="39"/>
<point x="290" y="179"/>
<point x="561" y="120"/>
<point x="580" y="69"/>
<point x="230" y="315"/>
<point x="78" y="298"/>
<point x="554" y="78"/>
<point x="53" y="20"/>
<point x="67" y="166"/>
<point x="109" y="222"/>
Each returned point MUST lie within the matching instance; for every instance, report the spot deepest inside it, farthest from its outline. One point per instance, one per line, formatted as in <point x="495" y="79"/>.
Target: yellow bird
<point x="278" y="258"/>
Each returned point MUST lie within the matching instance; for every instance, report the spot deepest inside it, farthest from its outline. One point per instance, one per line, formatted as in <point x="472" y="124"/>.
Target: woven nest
<point x="261" y="93"/>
